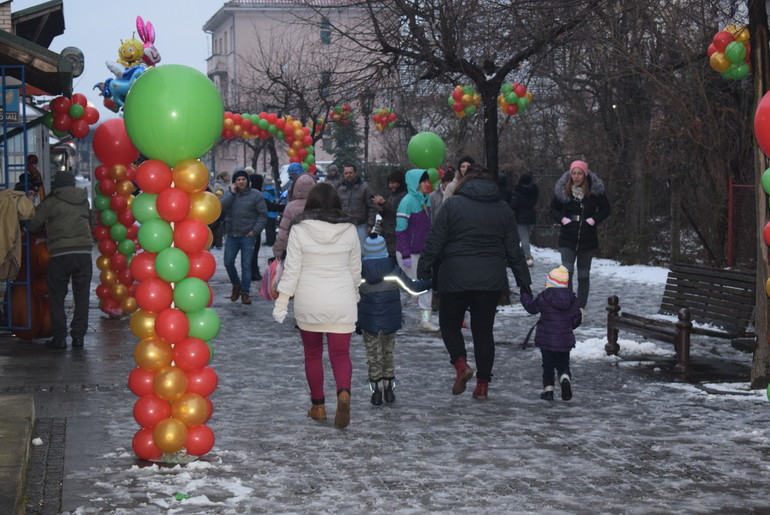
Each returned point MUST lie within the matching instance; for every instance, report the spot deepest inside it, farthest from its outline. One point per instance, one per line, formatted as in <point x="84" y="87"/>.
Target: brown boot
<point x="482" y="390"/>
<point x="317" y="412"/>
<point x="236" y="292"/>
<point x="342" y="416"/>
<point x="464" y="373"/>
<point x="245" y="298"/>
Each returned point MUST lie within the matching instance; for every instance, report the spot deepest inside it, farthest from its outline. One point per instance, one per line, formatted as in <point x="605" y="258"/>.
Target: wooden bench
<point x="724" y="299"/>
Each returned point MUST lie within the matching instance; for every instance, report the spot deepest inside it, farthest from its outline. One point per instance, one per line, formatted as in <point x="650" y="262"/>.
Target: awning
<point x="43" y="68"/>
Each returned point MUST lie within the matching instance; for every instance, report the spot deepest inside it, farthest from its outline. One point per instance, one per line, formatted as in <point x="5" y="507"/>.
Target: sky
<point x="96" y="27"/>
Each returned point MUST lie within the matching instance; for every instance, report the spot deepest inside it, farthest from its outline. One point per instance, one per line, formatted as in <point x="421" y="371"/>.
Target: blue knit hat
<point x="375" y="247"/>
<point x="295" y="169"/>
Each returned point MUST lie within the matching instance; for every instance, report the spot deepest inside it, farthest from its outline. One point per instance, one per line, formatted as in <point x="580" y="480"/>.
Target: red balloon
<point x="762" y="124"/>
<point x="79" y="98"/>
<point x="112" y="145"/>
<point x="766" y="233"/>
<point x="118" y="262"/>
<point x="190" y="353"/>
<point x="103" y="291"/>
<point x="102" y="172"/>
<point x="79" y="128"/>
<point x="107" y="187"/>
<point x="722" y="39"/>
<point x="191" y="235"/>
<point x="173" y="205"/>
<point x="202" y="265"/>
<point x="154" y="295"/>
<point x="211" y="409"/>
<point x="143" y="266"/>
<point x="107" y="246"/>
<point x="200" y="440"/>
<point x="111" y="307"/>
<point x="60" y="105"/>
<point x="151" y="409"/>
<point x="140" y="381"/>
<point x="90" y="115"/>
<point x="62" y="122"/>
<point x="172" y="326"/>
<point x="202" y="381"/>
<point x="153" y="176"/>
<point x="118" y="203"/>
<point x="100" y="232"/>
<point x="126" y="217"/>
<point x="131" y="174"/>
<point x="144" y="444"/>
<point x="125" y="276"/>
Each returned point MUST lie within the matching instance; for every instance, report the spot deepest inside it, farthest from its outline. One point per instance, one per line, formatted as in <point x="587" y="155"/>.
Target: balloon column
<point x="173" y="115"/>
<point x="427" y="150"/>
<point x="464" y="101"/>
<point x="340" y="114"/>
<point x="115" y="231"/>
<point x="513" y="98"/>
<point x="384" y="119"/>
<point x="70" y="114"/>
<point x="268" y="125"/>
<point x="318" y="127"/>
<point x="729" y="52"/>
<point x="762" y="135"/>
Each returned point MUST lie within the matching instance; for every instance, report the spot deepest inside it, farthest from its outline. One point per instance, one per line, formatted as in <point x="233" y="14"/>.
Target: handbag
<point x="270" y="277"/>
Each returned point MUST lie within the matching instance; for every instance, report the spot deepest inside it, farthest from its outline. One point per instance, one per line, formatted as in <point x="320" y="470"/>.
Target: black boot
<point x="390" y="383"/>
<point x="56" y="343"/>
<point x="375" y="386"/>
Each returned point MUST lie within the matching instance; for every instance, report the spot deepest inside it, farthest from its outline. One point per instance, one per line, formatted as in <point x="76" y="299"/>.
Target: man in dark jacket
<point x="65" y="216"/>
<point x="356" y="199"/>
<point x="245" y="218"/>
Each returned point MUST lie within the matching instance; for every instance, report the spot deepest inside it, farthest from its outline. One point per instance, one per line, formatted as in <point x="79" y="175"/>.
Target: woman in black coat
<point x="579" y="205"/>
<point x="523" y="203"/>
<point x="474" y="238"/>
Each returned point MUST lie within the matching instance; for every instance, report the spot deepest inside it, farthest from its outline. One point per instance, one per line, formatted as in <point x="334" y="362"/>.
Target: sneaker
<point x="530" y="261"/>
<point x="547" y="394"/>
<point x="566" y="388"/>
<point x="54" y="343"/>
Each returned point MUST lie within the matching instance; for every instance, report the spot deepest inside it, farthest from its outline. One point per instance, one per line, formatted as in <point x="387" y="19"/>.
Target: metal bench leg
<point x="682" y="343"/>
<point x="611" y="347"/>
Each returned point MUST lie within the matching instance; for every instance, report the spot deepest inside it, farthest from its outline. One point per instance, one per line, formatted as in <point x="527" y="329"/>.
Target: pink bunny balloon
<point x="147" y="34"/>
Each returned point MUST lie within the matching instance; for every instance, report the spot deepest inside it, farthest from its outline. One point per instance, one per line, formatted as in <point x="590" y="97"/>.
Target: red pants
<point x="339" y="355"/>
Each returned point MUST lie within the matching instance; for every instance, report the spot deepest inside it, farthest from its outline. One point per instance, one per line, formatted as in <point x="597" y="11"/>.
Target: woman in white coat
<point x="322" y="272"/>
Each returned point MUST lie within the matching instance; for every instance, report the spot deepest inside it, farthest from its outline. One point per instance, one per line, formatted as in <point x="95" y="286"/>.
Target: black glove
<point x="525" y="289"/>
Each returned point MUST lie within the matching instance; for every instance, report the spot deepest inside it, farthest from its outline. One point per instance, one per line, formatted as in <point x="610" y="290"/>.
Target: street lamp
<point x="367" y="105"/>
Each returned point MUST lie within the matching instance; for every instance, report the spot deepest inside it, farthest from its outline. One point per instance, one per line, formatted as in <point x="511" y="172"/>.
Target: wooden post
<point x="611" y="347"/>
<point x="682" y="343"/>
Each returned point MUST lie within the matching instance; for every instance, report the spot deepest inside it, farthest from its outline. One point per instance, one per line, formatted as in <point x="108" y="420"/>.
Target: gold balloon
<point x="767" y="287"/>
<point x="719" y="62"/>
<point x="210" y="240"/>
<point x="190" y="175"/>
<point x="118" y="172"/>
<point x="154" y="354"/>
<point x="119" y="291"/>
<point x="124" y="188"/>
<point x="170" y="383"/>
<point x="190" y="408"/>
<point x="143" y="324"/>
<point x="205" y="206"/>
<point x="128" y="305"/>
<point x="103" y="263"/>
<point x="108" y="277"/>
<point x="169" y="435"/>
<point x="130" y="201"/>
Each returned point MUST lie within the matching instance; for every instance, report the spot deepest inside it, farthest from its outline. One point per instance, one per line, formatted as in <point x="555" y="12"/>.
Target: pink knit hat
<point x="582" y="165"/>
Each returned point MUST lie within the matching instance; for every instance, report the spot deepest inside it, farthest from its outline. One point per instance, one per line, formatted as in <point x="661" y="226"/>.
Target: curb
<point x="17" y="418"/>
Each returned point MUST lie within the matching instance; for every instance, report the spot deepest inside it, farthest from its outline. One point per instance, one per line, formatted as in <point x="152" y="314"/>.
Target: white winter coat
<point x="322" y="271"/>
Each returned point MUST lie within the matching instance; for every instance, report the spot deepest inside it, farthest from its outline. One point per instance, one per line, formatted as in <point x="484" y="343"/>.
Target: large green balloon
<point x="190" y="294"/>
<point x="426" y="150"/>
<point x="155" y="235"/>
<point x="173" y="112"/>
<point x="172" y="265"/>
<point x="144" y="207"/>
<point x="204" y="324"/>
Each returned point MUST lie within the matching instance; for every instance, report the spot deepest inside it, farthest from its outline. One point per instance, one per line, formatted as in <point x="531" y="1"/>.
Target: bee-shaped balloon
<point x="130" y="52"/>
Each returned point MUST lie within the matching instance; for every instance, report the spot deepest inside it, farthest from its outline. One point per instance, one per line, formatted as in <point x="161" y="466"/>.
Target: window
<point x="326" y="33"/>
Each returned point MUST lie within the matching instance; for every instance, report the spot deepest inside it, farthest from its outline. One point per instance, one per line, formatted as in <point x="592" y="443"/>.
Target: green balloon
<point x="48" y="120"/>
<point x="204" y="324"/>
<point x="172" y="264"/>
<point x="511" y="97"/>
<point x="155" y="235"/>
<point x="143" y="208"/>
<point x="523" y="103"/>
<point x="507" y="88"/>
<point x="101" y="202"/>
<point x="191" y="294"/>
<point x="426" y="150"/>
<point x="766" y="181"/>
<point x="263" y="124"/>
<point x="109" y="217"/>
<point x="76" y="111"/>
<point x="736" y="52"/>
<point x="127" y="248"/>
<point x="173" y="112"/>
<point x="118" y="232"/>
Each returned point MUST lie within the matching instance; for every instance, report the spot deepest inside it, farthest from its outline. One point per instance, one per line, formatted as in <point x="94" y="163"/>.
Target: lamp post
<point x="367" y="105"/>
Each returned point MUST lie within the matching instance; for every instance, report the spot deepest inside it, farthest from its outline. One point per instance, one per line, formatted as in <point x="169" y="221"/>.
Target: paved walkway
<point x="632" y="440"/>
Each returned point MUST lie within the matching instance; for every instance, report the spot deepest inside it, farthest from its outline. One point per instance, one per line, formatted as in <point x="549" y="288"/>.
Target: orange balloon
<point x="128" y="305"/>
<point x="103" y="263"/>
<point x="169" y="435"/>
<point x="210" y="240"/>
<point x="142" y="324"/>
<point x="205" y="206"/>
<point x="124" y="188"/>
<point x="190" y="175"/>
<point x="108" y="277"/>
<point x="719" y="62"/>
<point x="190" y="408"/>
<point x="119" y="291"/>
<point x="170" y="382"/>
<point x="118" y="172"/>
<point x="154" y="354"/>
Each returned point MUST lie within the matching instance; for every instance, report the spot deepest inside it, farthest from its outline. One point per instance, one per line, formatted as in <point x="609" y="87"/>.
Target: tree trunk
<point x="489" y="100"/>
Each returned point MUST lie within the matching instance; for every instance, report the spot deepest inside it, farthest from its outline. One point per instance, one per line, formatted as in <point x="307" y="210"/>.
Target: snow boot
<point x="566" y="387"/>
<point x="464" y="373"/>
<point x="317" y="411"/>
<point x="425" y="324"/>
<point x="390" y="383"/>
<point x="547" y="394"/>
<point x="376" y="387"/>
<point x="482" y="389"/>
<point x="342" y="416"/>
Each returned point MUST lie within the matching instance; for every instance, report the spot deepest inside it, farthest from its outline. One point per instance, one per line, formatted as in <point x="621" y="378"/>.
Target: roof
<point x="40" y="23"/>
<point x="224" y="12"/>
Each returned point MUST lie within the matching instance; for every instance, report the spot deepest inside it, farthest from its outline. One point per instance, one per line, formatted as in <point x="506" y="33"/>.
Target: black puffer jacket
<point x="524" y="200"/>
<point x="474" y="238"/>
<point x="578" y="234"/>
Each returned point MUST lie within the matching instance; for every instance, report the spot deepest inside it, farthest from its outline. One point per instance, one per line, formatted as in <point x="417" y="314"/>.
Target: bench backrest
<point x="724" y="298"/>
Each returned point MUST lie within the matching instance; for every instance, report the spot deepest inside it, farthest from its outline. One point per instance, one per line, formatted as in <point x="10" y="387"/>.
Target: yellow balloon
<point x="190" y="175"/>
<point x="741" y="34"/>
<point x="103" y="263"/>
<point x="205" y="206"/>
<point x="142" y="324"/>
<point x="170" y="383"/>
<point x="130" y="200"/>
<point x="169" y="435"/>
<point x="210" y="240"/>
<point x="719" y="62"/>
<point x="128" y="305"/>
<point x="190" y="408"/>
<point x="108" y="277"/>
<point x="119" y="291"/>
<point x="124" y="188"/>
<point x="118" y="172"/>
<point x="154" y="354"/>
<point x="767" y="287"/>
